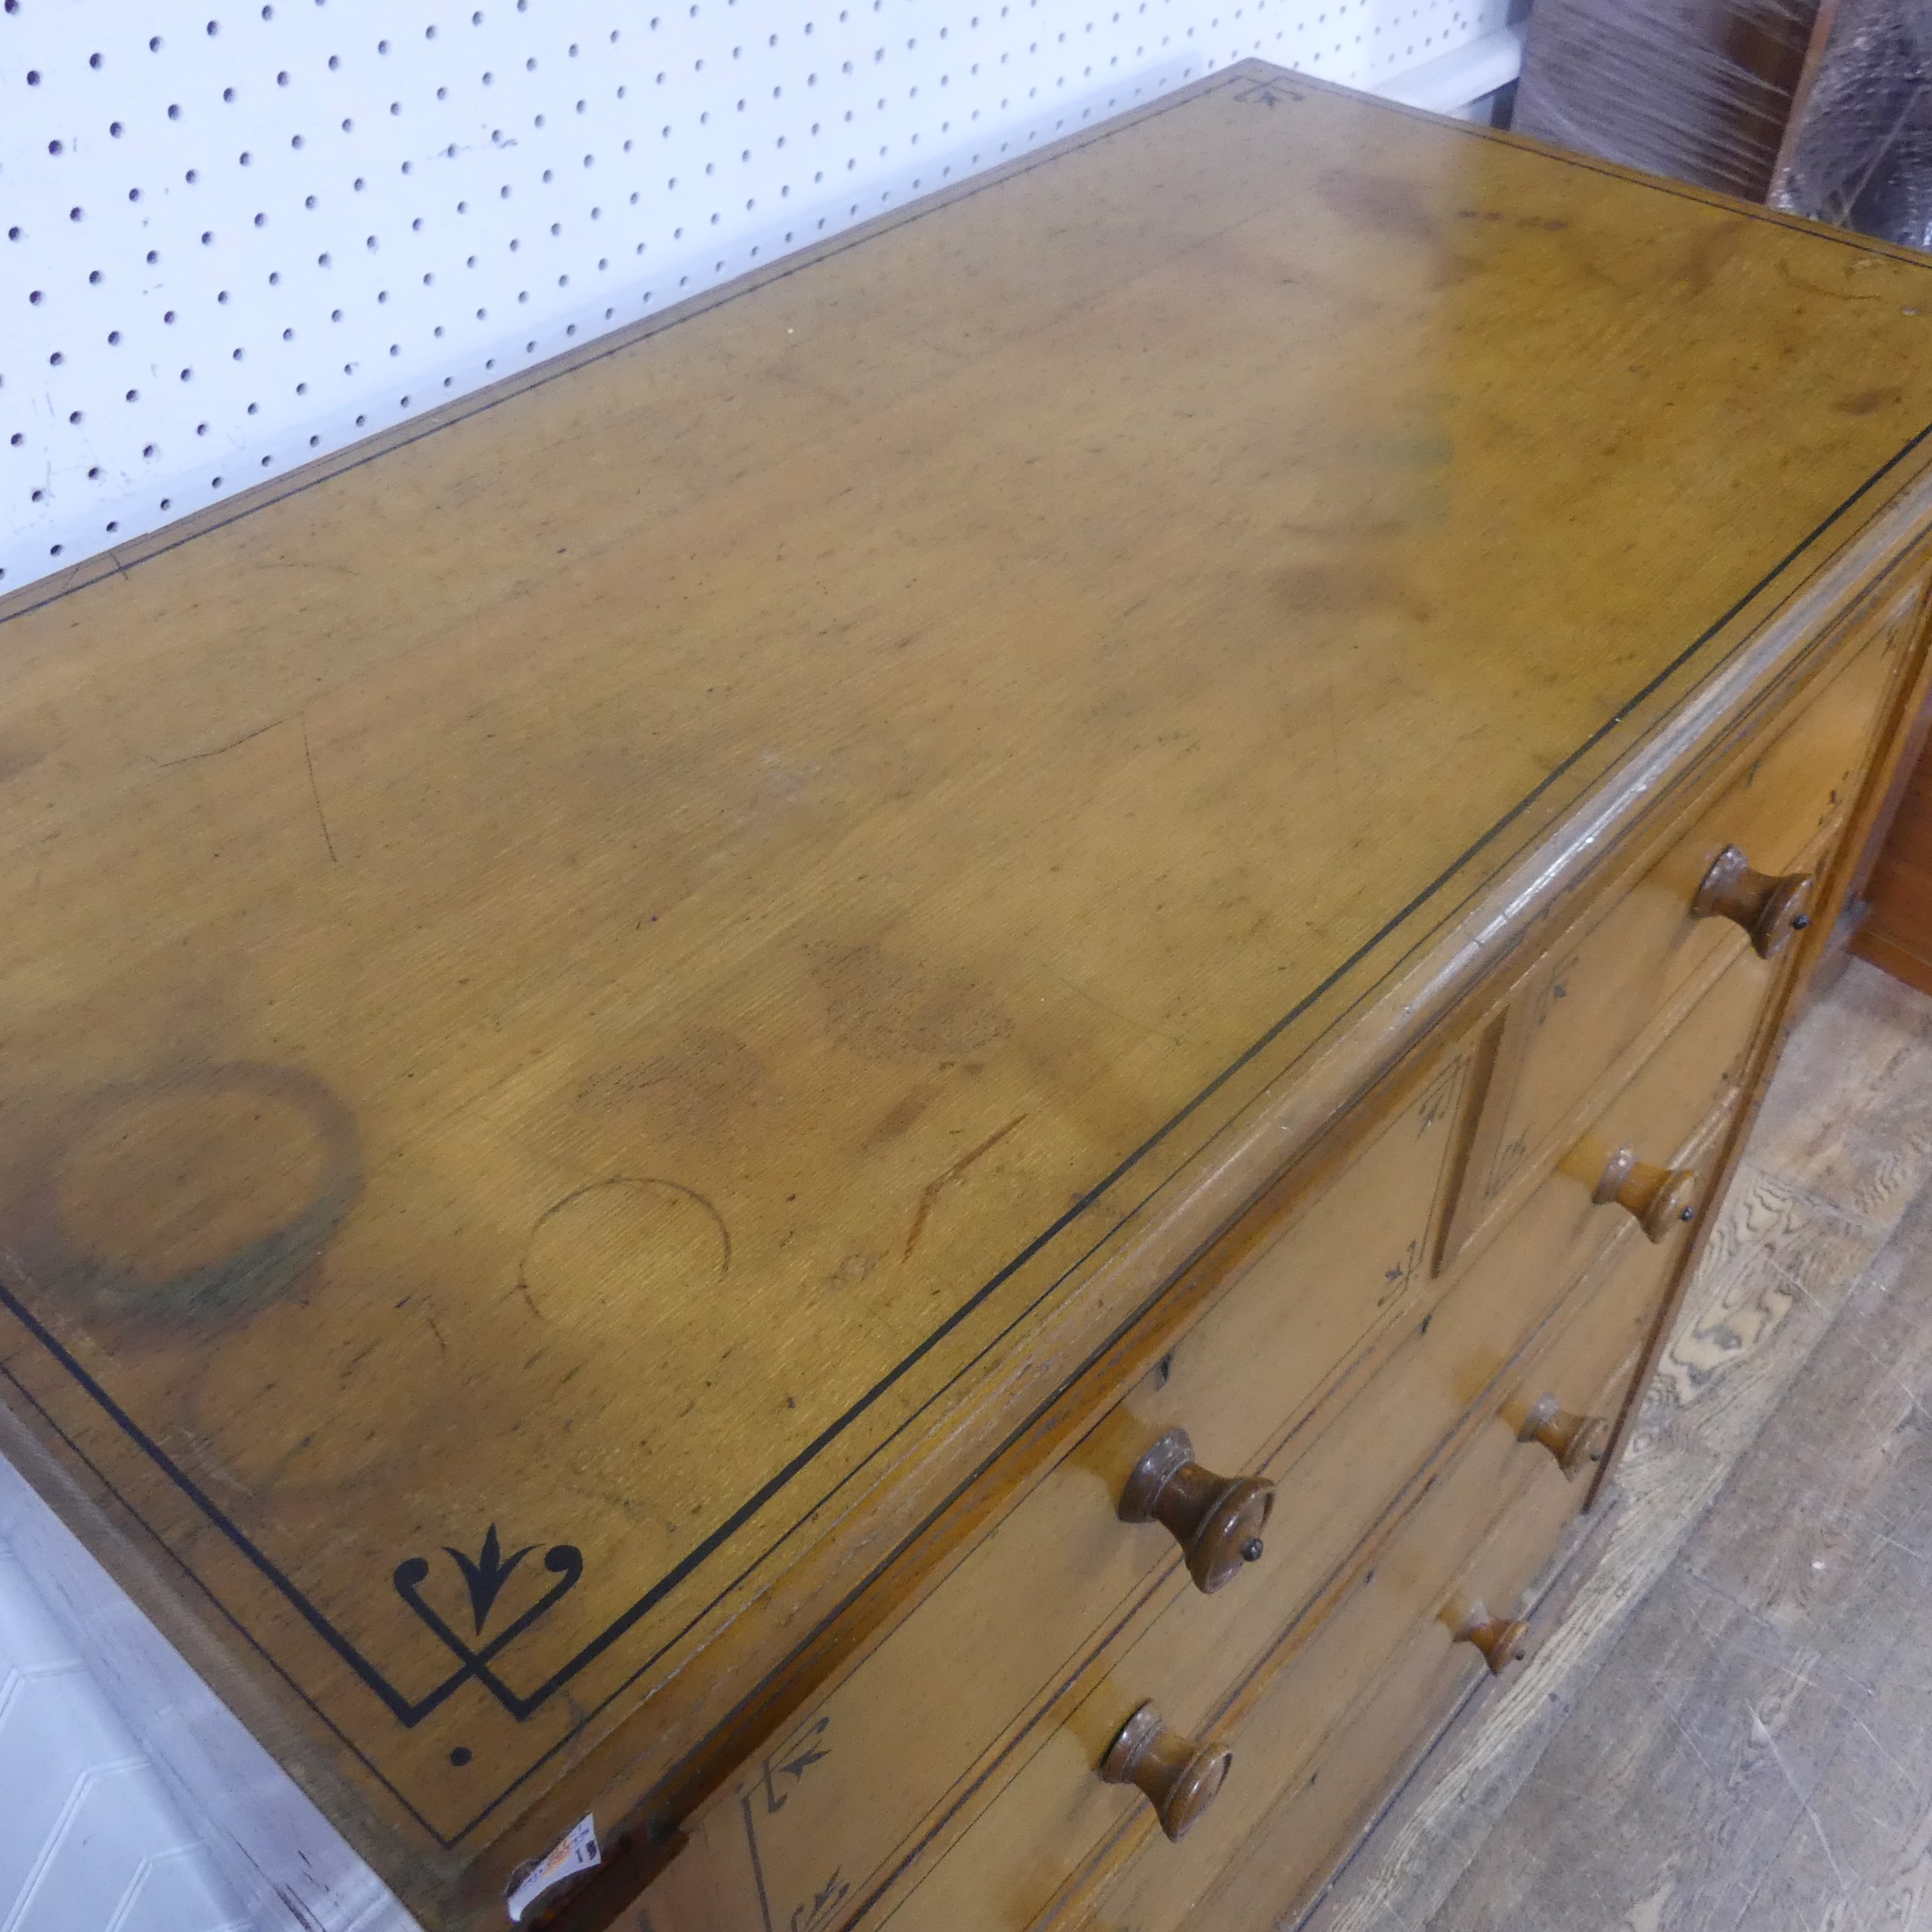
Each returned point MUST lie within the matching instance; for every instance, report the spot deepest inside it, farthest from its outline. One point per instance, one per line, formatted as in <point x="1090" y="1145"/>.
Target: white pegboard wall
<point x="237" y="237"/>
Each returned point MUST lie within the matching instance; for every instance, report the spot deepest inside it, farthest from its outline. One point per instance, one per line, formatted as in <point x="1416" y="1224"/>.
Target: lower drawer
<point x="859" y="1768"/>
<point x="920" y="1730"/>
<point x="1278" y="1871"/>
<point x="1340" y="1475"/>
<point x="1056" y="1827"/>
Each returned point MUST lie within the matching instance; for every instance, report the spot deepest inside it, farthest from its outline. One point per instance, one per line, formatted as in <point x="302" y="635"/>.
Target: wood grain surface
<point x="577" y="992"/>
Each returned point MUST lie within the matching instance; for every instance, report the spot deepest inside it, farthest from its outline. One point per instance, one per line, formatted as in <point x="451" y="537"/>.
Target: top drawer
<point x="1593" y="1002"/>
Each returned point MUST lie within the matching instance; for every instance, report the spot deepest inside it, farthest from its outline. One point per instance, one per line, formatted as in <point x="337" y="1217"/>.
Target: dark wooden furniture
<point x="1708" y="91"/>
<point x="1896" y="930"/>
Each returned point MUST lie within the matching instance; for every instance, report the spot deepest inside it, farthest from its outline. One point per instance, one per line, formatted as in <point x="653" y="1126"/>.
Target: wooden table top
<point x="576" y="981"/>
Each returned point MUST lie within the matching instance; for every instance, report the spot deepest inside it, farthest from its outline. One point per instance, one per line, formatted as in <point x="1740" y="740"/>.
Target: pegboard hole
<point x="736" y="146"/>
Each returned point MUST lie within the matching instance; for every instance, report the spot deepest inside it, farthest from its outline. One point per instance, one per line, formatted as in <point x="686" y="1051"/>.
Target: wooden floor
<point x="1730" y="1724"/>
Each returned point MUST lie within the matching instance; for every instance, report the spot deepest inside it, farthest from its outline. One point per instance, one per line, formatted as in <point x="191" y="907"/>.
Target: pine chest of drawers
<point x="899" y="1086"/>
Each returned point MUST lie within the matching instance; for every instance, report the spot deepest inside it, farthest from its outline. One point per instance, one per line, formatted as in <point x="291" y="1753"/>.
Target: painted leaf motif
<point x="485" y="1575"/>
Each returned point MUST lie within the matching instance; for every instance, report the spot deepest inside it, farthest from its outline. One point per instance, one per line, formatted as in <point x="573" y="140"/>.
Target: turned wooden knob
<point x="1217" y="1520"/>
<point x="1178" y="1776"/>
<point x="1661" y="1198"/>
<point x="1502" y="1640"/>
<point x="1576" y="1442"/>
<point x="1769" y="907"/>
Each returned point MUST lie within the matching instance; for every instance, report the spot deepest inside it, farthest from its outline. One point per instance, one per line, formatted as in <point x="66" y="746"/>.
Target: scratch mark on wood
<point x="356" y="1360"/>
<point x="322" y="817"/>
<point x="1887" y="1371"/>
<point x="929" y="1194"/>
<point x="1917" y="1555"/>
<point x="1682" y="1730"/>
<point x="644" y="1185"/>
<point x="1760" y="1734"/>
<point x="1908" y="1777"/>
<point x="196" y="757"/>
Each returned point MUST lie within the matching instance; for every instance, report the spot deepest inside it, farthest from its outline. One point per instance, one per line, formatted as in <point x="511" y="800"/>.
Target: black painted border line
<point x="228" y="1616"/>
<point x="407" y="1712"/>
<point x="401" y="1707"/>
<point x="678" y="314"/>
<point x="764" y="1494"/>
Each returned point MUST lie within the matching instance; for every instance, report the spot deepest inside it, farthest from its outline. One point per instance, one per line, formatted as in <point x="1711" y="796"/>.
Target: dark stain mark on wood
<point x="1385" y="202"/>
<point x="138" y="1177"/>
<point x="883" y="1008"/>
<point x="1783" y="268"/>
<point x="17" y="755"/>
<point x="1350" y="588"/>
<point x="1869" y="402"/>
<point x="897" y="1118"/>
<point x="1705" y="254"/>
<point x="696" y="1085"/>
<point x="929" y="1194"/>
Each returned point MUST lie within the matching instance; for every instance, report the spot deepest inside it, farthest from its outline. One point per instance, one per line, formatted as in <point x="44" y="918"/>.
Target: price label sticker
<point x="576" y="1851"/>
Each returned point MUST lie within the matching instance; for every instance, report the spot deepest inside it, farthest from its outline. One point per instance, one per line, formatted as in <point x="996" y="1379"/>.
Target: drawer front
<point x="855" y="1784"/>
<point x="1340" y="1471"/>
<point x="927" y="1724"/>
<point x="1701" y="1065"/>
<point x="1047" y="1825"/>
<point x="1334" y="1488"/>
<point x="1597" y="995"/>
<point x="1677" y="1107"/>
<point x="1322" y="1804"/>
